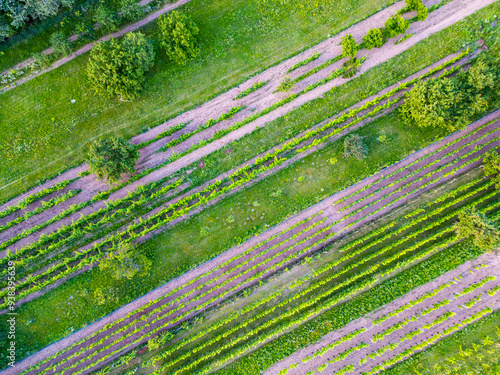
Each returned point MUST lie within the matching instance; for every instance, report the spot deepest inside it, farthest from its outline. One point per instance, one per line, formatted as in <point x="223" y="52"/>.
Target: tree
<point x="491" y="167"/>
<point x="117" y="68"/>
<point x="349" y="46"/>
<point x="5" y="30"/>
<point x="106" y="18"/>
<point x="472" y="223"/>
<point x="412" y="5"/>
<point x="373" y="38"/>
<point x="130" y="9"/>
<point x="110" y="158"/>
<point x="354" y="147"/>
<point x="178" y="36"/>
<point x="396" y="25"/>
<point x="60" y="44"/>
<point x="21" y="12"/>
<point x="422" y="12"/>
<point x="122" y="262"/>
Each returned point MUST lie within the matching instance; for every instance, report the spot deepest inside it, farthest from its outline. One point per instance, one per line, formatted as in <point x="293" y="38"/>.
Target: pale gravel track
<point x="325" y="205"/>
<point x="493" y="269"/>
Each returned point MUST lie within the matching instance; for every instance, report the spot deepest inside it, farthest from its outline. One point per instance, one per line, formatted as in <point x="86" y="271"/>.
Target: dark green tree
<point x="354" y="147"/>
<point x="106" y="18"/>
<point x="117" y="68"/>
<point x="178" y="36"/>
<point x="472" y="223"/>
<point x="373" y="38"/>
<point x="60" y="44"/>
<point x="112" y="157"/>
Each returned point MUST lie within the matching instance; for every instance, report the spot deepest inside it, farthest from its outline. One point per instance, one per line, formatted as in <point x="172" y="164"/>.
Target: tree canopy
<point x="112" y="157"/>
<point x="349" y="46"/>
<point x="451" y="103"/>
<point x="373" y="38"/>
<point x="19" y="12"/>
<point x="117" y="68"/>
<point x="178" y="36"/>
<point x="472" y="223"/>
<point x="396" y="25"/>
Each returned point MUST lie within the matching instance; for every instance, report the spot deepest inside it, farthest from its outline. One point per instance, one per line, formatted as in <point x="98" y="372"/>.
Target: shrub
<point x="60" y="44"/>
<point x="351" y="67"/>
<point x="285" y="85"/>
<point x="110" y="158"/>
<point x="472" y="223"/>
<point x="125" y="263"/>
<point x="422" y="12"/>
<point x="85" y="31"/>
<point x="40" y="60"/>
<point x="412" y="4"/>
<point x="354" y="147"/>
<point x="117" y="68"/>
<point x="396" y="25"/>
<point x="106" y="18"/>
<point x="130" y="9"/>
<point x="5" y="30"/>
<point x="178" y="36"/>
<point x="373" y="38"/>
<point x="491" y="164"/>
<point x="349" y="46"/>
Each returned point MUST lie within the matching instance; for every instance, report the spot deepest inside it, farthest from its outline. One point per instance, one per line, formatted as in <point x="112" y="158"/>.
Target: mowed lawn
<point x="42" y="132"/>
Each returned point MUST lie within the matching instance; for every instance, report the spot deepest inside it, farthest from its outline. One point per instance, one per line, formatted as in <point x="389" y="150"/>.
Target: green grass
<point x="182" y="247"/>
<point x="473" y="350"/>
<point x="44" y="133"/>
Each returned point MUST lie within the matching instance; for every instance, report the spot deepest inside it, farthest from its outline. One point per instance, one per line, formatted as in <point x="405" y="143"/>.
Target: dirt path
<point x="462" y="273"/>
<point x="325" y="205"/>
<point x="131" y="27"/>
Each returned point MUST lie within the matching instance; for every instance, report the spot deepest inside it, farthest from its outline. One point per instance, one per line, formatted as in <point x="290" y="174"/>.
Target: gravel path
<point x="326" y="206"/>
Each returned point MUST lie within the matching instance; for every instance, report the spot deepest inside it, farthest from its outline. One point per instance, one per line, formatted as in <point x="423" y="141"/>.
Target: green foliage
<point x="125" y="263"/>
<point x="373" y="38"/>
<point x="5" y="30"/>
<point x="178" y="36"/>
<point x="286" y="84"/>
<point x="354" y="147"/>
<point x="130" y="9"/>
<point x="351" y="67"/>
<point x="451" y="103"/>
<point x="491" y="164"/>
<point x="60" y="44"/>
<point x="349" y="46"/>
<point x="472" y="223"/>
<point x="396" y="25"/>
<point x="422" y="12"/>
<point x="106" y="18"/>
<point x="110" y="158"/>
<point x="255" y="86"/>
<point x="117" y="68"/>
<point x="412" y="4"/>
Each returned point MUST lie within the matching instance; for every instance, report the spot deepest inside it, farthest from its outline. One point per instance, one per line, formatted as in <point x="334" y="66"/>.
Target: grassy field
<point x="474" y="350"/>
<point x="44" y="133"/>
<point x="174" y="248"/>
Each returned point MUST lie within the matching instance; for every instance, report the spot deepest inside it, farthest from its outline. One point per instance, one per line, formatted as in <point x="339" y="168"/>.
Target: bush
<point x="396" y="25"/>
<point x="412" y="4"/>
<point x="351" y="67"/>
<point x="354" y="147"/>
<point x="491" y="164"/>
<point x="373" y="38"/>
<point x="106" y="18"/>
<point x="349" y="46"/>
<point x="178" y="36"/>
<point x="112" y="157"/>
<point x="422" y="12"/>
<point x="125" y="263"/>
<point x="117" y="68"/>
<point x="472" y="223"/>
<point x="85" y="31"/>
<point x="130" y="9"/>
<point x="40" y="60"/>
<point x="60" y="44"/>
<point x="285" y="85"/>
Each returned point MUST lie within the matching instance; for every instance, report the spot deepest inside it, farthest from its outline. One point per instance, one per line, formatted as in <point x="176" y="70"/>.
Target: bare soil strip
<point x="463" y="278"/>
<point x="325" y="205"/>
